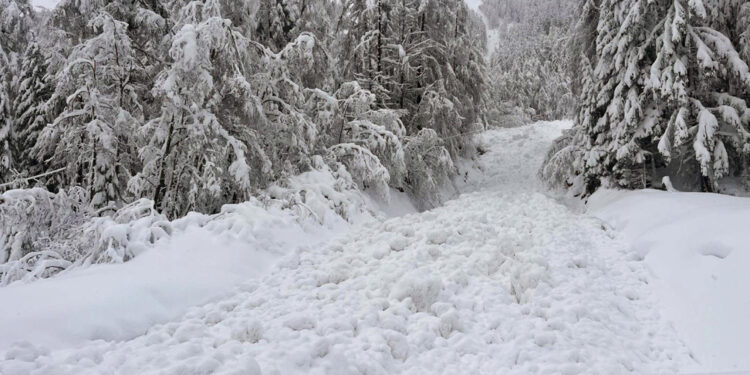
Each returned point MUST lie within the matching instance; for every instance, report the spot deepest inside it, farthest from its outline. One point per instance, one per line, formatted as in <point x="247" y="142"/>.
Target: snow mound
<point x="698" y="247"/>
<point x="205" y="258"/>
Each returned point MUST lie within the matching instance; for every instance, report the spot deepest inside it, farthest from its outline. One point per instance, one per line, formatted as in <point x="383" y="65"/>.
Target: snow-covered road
<point x="501" y="280"/>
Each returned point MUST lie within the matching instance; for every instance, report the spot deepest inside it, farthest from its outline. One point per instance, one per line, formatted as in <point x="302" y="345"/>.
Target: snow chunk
<point x="421" y="286"/>
<point x="399" y="243"/>
<point x="299" y="322"/>
<point x="439" y="236"/>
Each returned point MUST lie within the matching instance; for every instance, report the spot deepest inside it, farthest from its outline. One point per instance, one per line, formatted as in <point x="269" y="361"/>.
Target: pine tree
<point x="30" y="107"/>
<point x="16" y="19"/>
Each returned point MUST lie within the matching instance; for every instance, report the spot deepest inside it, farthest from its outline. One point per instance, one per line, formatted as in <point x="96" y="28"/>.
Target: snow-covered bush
<point x="364" y="167"/>
<point x="42" y="233"/>
<point x="429" y="166"/>
<point x="130" y="231"/>
<point x="382" y="143"/>
<point x="34" y="227"/>
<point x="326" y="194"/>
<point x="561" y="169"/>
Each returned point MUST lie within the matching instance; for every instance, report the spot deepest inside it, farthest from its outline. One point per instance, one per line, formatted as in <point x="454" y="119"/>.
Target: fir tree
<point x="669" y="97"/>
<point x="16" y="19"/>
<point x="30" y="107"/>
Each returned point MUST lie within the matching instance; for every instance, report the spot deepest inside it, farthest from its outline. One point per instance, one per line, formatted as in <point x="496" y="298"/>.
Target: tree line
<point x="196" y="104"/>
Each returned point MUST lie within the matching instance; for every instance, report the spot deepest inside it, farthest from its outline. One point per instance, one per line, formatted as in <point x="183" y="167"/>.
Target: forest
<point x="125" y="109"/>
<point x="412" y="159"/>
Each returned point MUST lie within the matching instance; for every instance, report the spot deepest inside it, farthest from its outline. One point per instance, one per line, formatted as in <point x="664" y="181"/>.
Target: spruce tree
<point x="16" y="19"/>
<point x="668" y="97"/>
<point x="30" y="107"/>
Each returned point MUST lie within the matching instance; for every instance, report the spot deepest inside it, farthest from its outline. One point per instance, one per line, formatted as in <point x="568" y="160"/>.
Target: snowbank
<point x="119" y="301"/>
<point x="698" y="247"/>
<point x="203" y="258"/>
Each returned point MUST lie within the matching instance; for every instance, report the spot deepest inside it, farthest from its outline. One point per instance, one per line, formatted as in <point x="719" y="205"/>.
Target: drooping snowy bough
<point x="667" y="95"/>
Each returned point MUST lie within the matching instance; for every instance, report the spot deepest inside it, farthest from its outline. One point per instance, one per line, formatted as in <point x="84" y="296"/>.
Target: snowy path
<point x="501" y="280"/>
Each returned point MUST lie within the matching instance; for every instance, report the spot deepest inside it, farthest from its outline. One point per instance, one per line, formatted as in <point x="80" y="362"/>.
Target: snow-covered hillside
<point x="502" y="279"/>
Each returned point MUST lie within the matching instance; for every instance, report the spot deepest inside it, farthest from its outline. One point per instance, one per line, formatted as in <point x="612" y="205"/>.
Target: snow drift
<point x="698" y="247"/>
<point x="119" y="301"/>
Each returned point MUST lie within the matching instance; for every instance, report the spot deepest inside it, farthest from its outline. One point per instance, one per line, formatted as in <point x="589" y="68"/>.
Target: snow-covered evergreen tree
<point x="29" y="107"/>
<point x="16" y="19"/>
<point x="92" y="136"/>
<point x="200" y="151"/>
<point x="668" y="97"/>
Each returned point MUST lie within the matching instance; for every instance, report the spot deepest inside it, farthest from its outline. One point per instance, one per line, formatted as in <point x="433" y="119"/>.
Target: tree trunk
<point x="161" y="184"/>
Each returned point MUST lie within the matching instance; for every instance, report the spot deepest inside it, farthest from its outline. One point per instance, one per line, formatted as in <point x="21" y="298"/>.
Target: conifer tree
<point x="16" y="19"/>
<point x="30" y="107"/>
<point x="195" y="154"/>
<point x="668" y="97"/>
<point x="92" y="136"/>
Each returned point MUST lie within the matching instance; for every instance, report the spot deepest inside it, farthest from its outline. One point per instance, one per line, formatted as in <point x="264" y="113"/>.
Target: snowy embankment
<point x="201" y="259"/>
<point x="120" y="301"/>
<point x="502" y="279"/>
<point x="697" y="247"/>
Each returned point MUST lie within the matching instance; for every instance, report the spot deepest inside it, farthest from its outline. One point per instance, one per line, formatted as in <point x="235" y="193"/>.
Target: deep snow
<point x="502" y="279"/>
<point x="121" y="301"/>
<point x="698" y="248"/>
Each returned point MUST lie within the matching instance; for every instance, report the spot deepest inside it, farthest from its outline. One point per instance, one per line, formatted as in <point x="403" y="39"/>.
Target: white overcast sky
<point x="49" y="4"/>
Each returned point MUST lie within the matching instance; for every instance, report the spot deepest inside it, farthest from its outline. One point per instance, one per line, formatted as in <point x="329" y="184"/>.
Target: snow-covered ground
<point x="698" y="248"/>
<point x="121" y="301"/>
<point x="502" y="279"/>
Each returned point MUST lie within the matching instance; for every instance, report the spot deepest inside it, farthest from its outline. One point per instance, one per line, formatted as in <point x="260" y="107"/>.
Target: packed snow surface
<point x="698" y="248"/>
<point x="501" y="280"/>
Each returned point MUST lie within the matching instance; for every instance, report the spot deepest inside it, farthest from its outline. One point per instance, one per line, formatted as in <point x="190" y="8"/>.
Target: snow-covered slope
<point x="503" y="279"/>
<point x="698" y="248"/>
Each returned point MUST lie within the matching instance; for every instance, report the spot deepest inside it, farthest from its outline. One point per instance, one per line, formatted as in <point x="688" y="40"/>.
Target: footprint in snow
<point x="714" y="249"/>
